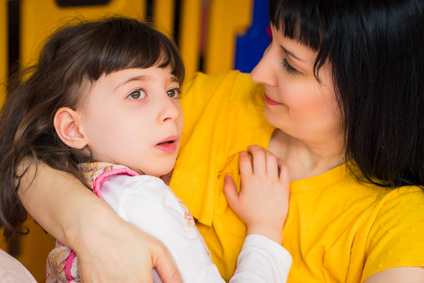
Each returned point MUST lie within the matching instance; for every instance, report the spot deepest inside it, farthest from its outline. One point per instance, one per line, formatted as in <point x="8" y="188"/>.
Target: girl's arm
<point x="262" y="204"/>
<point x="263" y="201"/>
<point x="108" y="248"/>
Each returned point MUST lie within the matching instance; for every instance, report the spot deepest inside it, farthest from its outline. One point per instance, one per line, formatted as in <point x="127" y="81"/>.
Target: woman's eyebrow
<point x="288" y="52"/>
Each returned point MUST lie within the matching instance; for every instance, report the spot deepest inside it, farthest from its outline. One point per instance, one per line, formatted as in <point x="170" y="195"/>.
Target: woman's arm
<point x="398" y="275"/>
<point x="108" y="248"/>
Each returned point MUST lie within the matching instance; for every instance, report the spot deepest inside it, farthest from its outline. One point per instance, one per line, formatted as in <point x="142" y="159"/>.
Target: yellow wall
<point x="33" y="248"/>
<point x="226" y="20"/>
<point x="39" y="18"/>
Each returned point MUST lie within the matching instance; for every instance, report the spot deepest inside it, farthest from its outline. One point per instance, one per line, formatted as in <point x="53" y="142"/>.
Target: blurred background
<point x="213" y="36"/>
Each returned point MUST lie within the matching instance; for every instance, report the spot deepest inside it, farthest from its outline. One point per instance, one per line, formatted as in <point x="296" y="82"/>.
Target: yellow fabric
<point x="338" y="230"/>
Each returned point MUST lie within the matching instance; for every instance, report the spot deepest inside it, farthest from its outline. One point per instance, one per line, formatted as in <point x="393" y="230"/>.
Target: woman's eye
<point x="288" y="67"/>
<point x="174" y="93"/>
<point x="137" y="94"/>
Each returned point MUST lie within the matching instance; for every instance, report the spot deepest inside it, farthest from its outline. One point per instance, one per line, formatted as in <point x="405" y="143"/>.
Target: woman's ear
<point x="66" y="124"/>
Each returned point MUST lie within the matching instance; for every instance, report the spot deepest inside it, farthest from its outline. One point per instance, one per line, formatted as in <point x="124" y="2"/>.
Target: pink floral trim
<point x="103" y="178"/>
<point x="97" y="173"/>
<point x="68" y="265"/>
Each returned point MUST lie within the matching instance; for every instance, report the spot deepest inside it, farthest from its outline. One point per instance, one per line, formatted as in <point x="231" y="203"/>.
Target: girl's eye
<point x="137" y="94"/>
<point x="288" y="67"/>
<point x="174" y="93"/>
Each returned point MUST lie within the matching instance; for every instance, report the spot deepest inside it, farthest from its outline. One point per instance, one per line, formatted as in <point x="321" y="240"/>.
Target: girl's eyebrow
<point x="172" y="78"/>
<point x="137" y="78"/>
<point x="290" y="53"/>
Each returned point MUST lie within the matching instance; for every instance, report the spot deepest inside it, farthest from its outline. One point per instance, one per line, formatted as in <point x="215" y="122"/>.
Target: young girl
<point x="103" y="105"/>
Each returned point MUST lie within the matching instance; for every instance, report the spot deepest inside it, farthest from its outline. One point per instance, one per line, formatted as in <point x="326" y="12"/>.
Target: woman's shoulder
<point x="396" y="234"/>
<point x="407" y="200"/>
<point x="231" y="77"/>
<point x="203" y="87"/>
<point x="221" y="101"/>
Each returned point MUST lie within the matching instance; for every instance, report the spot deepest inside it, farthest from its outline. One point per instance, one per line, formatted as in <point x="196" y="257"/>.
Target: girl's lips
<point x="168" y="145"/>
<point x="269" y="101"/>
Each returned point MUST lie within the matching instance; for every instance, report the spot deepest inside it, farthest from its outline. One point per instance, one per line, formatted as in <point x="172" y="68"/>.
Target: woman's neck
<point x="306" y="159"/>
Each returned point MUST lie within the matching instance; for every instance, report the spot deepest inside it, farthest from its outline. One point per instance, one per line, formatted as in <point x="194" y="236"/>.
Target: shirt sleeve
<point x="262" y="260"/>
<point x="396" y="236"/>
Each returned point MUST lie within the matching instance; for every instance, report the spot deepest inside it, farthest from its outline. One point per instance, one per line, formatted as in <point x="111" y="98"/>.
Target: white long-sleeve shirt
<point x="151" y="205"/>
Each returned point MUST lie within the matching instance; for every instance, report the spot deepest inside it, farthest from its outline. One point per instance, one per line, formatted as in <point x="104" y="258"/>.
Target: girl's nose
<point x="171" y="109"/>
<point x="264" y="73"/>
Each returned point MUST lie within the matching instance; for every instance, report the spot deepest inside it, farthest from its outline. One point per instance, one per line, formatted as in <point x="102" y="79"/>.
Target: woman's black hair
<point x="376" y="50"/>
<point x="71" y="56"/>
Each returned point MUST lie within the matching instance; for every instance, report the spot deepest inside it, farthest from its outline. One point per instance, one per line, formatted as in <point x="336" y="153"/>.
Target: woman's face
<point x="296" y="102"/>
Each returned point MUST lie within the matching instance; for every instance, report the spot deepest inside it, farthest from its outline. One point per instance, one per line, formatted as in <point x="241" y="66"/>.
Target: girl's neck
<point x="306" y="159"/>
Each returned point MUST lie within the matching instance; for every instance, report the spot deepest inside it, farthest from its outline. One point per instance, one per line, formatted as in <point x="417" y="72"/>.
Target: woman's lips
<point x="269" y="101"/>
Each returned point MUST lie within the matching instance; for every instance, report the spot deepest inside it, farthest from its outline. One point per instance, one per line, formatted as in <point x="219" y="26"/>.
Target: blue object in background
<point x="251" y="45"/>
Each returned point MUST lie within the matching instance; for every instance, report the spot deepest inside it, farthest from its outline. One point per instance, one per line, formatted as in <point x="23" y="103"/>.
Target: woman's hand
<point x="125" y="256"/>
<point x="109" y="249"/>
<point x="263" y="201"/>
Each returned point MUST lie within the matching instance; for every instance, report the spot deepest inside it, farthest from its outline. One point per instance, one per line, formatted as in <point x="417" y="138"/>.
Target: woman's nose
<point x="263" y="73"/>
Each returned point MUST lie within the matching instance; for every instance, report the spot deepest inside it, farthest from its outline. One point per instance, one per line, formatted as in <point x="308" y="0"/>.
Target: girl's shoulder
<point x="11" y="270"/>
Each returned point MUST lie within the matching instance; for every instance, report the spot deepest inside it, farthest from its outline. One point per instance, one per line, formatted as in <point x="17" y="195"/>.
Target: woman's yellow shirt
<point x="338" y="229"/>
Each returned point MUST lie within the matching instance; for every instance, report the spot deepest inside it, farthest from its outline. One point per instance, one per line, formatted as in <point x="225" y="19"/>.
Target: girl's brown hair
<point x="71" y="56"/>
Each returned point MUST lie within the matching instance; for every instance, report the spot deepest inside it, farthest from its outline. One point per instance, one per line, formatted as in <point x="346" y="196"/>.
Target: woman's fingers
<point x="164" y="265"/>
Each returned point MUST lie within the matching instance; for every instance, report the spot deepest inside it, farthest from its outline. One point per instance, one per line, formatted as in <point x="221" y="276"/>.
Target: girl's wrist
<point x="272" y="233"/>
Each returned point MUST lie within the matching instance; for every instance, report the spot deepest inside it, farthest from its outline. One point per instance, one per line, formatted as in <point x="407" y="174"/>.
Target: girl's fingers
<point x="283" y="172"/>
<point x="245" y="164"/>
<point x="264" y="162"/>
<point x="272" y="165"/>
<point x="259" y="160"/>
<point x="230" y="192"/>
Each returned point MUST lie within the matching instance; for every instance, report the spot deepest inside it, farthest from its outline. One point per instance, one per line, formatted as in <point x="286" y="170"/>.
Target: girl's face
<point x="296" y="102"/>
<point x="133" y="117"/>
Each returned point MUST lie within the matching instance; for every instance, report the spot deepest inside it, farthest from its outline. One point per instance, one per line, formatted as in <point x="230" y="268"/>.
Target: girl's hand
<point x="263" y="201"/>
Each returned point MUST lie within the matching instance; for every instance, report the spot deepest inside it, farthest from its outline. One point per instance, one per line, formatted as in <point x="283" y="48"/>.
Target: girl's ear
<point x="66" y="124"/>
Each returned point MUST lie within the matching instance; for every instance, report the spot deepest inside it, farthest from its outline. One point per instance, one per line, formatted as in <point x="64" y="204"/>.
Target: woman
<point x="342" y="93"/>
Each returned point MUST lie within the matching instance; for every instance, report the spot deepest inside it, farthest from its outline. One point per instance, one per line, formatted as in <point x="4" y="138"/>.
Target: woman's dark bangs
<point x="300" y="21"/>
